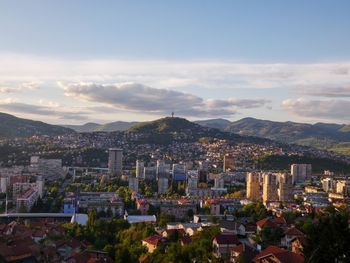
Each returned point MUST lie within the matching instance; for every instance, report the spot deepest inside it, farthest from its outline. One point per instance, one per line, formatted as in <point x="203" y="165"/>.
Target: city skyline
<point x="137" y="61"/>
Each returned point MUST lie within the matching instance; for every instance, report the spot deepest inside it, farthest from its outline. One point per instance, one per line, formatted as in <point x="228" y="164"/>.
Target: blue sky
<point x="78" y="61"/>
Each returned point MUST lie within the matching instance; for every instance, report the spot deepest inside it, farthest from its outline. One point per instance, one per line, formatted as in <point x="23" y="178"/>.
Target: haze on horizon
<point x="70" y="62"/>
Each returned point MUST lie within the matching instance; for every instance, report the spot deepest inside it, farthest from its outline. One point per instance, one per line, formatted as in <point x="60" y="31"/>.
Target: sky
<point x="72" y="62"/>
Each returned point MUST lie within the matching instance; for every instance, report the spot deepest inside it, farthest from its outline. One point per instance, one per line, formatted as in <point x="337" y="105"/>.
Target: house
<point x="232" y="227"/>
<point x="38" y="235"/>
<point x="153" y="242"/>
<point x="171" y="232"/>
<point x="90" y="257"/>
<point x="271" y="223"/>
<point x="223" y="243"/>
<point x="298" y="244"/>
<point x="288" y="235"/>
<point x="68" y="248"/>
<point x="278" y="255"/>
<point x="242" y="252"/>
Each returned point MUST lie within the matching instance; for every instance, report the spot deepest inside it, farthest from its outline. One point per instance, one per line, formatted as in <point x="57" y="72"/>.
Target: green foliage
<point x="277" y="162"/>
<point x="254" y="210"/>
<point x="328" y="237"/>
<point x="199" y="250"/>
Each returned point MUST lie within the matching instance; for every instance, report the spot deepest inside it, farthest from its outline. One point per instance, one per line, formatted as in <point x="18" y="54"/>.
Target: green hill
<point x="12" y="127"/>
<point x="108" y="127"/>
<point x="165" y="125"/>
<point x="321" y="135"/>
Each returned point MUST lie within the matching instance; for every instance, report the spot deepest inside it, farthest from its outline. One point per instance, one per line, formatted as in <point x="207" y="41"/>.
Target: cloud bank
<point x="141" y="98"/>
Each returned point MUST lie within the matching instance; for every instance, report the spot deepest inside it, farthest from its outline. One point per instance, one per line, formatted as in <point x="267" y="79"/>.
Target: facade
<point x="101" y="201"/>
<point x="301" y="172"/>
<point x="27" y="200"/>
<point x="269" y="188"/>
<point x="139" y="169"/>
<point x="115" y="161"/>
<point x="162" y="185"/>
<point x="285" y="191"/>
<point x="253" y="186"/>
<point x="133" y="184"/>
<point x="327" y="184"/>
<point x="229" y="163"/>
<point x="179" y="211"/>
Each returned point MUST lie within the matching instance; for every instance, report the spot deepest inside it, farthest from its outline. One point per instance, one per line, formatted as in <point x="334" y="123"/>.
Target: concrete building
<point x="3" y="184"/>
<point x="40" y="185"/>
<point x="115" y="161"/>
<point x="179" y="172"/>
<point x="253" y="186"/>
<point x="269" y="188"/>
<point x="27" y="200"/>
<point x="229" y="163"/>
<point x="133" y="184"/>
<point x="150" y="173"/>
<point x="327" y="184"/>
<point x="140" y="169"/>
<point x="343" y="187"/>
<point x="162" y="185"/>
<point x="301" y="172"/>
<point x="285" y="191"/>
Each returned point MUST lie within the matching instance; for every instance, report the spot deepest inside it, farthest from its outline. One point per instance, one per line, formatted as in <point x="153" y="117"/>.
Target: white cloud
<point x="174" y="74"/>
<point x="141" y="98"/>
<point x="328" y="110"/>
<point x="15" y="88"/>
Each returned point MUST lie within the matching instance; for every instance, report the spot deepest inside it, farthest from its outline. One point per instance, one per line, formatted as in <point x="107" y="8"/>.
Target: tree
<point x="91" y="219"/>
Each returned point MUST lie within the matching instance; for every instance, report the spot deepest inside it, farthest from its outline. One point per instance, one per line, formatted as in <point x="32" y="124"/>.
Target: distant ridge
<point x="12" y="127"/>
<point x="108" y="127"/>
<point x="320" y="135"/>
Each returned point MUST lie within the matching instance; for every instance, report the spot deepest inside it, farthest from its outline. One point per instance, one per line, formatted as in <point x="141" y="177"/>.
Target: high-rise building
<point x="253" y="186"/>
<point x="285" y="187"/>
<point x="133" y="184"/>
<point x="269" y="188"/>
<point x="40" y="185"/>
<point x="327" y="184"/>
<point x="161" y="169"/>
<point x="115" y="161"/>
<point x="229" y="163"/>
<point x="301" y="172"/>
<point x="219" y="182"/>
<point x="162" y="185"/>
<point x="140" y="169"/>
<point x="3" y="184"/>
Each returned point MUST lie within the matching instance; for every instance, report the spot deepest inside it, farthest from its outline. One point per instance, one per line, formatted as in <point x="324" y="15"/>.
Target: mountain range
<point x="335" y="137"/>
<point x="12" y="127"/>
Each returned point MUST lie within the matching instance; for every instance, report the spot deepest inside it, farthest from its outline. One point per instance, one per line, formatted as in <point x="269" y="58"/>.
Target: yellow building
<point x="270" y="188"/>
<point x="253" y="187"/>
<point x="285" y="187"/>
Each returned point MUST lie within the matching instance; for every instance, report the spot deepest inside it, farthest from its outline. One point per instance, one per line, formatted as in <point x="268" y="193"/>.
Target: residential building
<point x="133" y="184"/>
<point x="269" y="188"/>
<point x="253" y="186"/>
<point x="301" y="172"/>
<point x="223" y="243"/>
<point x="285" y="190"/>
<point x="115" y="161"/>
<point x="162" y="185"/>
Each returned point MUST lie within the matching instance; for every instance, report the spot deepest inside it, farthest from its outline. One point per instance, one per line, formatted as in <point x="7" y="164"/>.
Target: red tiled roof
<point x="222" y="239"/>
<point x="271" y="222"/>
<point x="293" y="231"/>
<point x="284" y="256"/>
<point x="153" y="240"/>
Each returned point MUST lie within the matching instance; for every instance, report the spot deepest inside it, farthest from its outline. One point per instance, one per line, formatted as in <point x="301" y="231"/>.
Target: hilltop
<point x="12" y="127"/>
